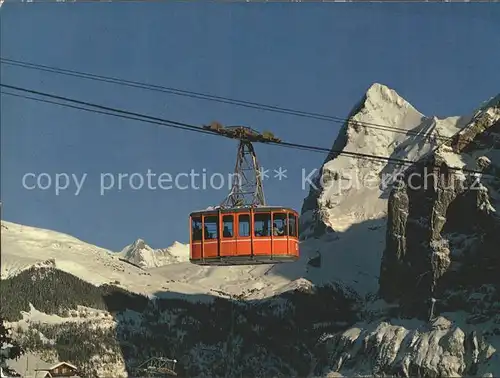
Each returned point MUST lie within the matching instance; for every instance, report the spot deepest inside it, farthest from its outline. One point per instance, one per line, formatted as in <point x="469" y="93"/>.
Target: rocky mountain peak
<point x="443" y="231"/>
<point x="379" y="94"/>
<point x="140" y="241"/>
<point x="140" y="253"/>
<point x="348" y="189"/>
<point x="139" y="244"/>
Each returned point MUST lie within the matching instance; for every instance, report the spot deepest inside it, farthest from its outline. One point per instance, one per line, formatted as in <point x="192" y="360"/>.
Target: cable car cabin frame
<point x="248" y="241"/>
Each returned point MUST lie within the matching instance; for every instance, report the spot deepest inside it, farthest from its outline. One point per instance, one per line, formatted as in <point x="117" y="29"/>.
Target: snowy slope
<point x="24" y="246"/>
<point x="261" y="280"/>
<point x="173" y="264"/>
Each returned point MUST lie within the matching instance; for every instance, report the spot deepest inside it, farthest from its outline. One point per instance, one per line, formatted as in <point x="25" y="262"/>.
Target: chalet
<point x="61" y="369"/>
<point x="30" y="366"/>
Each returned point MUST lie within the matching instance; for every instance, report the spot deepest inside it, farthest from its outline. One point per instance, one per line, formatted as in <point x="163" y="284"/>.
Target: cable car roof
<point x="215" y="209"/>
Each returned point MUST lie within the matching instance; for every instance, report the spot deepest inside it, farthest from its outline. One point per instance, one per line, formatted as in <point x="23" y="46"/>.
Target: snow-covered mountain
<point x="343" y="220"/>
<point x="352" y="190"/>
<point x="24" y="247"/>
<point x="146" y="257"/>
<point x="366" y="244"/>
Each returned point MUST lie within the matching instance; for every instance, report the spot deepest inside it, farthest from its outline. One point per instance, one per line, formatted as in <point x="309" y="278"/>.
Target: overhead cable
<point x="210" y="97"/>
<point x="188" y="127"/>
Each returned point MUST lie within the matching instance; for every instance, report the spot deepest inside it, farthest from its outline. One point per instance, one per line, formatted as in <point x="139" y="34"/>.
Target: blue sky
<point x="443" y="58"/>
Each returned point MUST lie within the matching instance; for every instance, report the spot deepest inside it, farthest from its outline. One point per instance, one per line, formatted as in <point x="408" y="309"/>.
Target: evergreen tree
<point x="9" y="348"/>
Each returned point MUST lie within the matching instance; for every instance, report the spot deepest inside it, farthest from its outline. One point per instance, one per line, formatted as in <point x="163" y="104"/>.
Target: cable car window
<point x="292" y="224"/>
<point x="279" y="224"/>
<point x="211" y="227"/>
<point x="244" y="225"/>
<point x="227" y="226"/>
<point x="196" y="228"/>
<point x="262" y="226"/>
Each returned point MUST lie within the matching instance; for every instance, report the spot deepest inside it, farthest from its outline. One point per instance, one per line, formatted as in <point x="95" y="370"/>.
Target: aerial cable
<point x="209" y="97"/>
<point x="187" y="127"/>
<point x="166" y="123"/>
<point x="104" y="112"/>
<point x="180" y="125"/>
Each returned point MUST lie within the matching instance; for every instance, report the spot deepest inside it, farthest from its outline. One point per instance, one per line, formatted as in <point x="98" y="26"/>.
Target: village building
<point x="61" y="369"/>
<point x="33" y="367"/>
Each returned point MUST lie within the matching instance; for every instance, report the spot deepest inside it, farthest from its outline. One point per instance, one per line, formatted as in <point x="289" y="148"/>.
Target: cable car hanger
<point x="243" y="229"/>
<point x="245" y="191"/>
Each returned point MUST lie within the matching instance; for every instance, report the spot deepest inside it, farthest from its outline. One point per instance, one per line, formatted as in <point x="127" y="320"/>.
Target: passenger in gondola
<point x="207" y="234"/>
<point x="285" y="227"/>
<point x="277" y="231"/>
<point x="197" y="232"/>
<point x="226" y="233"/>
<point x="265" y="230"/>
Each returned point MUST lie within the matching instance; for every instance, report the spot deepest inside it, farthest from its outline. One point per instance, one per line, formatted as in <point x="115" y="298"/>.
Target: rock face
<point x="442" y="227"/>
<point x="408" y="349"/>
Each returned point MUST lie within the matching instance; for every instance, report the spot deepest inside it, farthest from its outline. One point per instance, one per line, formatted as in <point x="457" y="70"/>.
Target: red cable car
<point x="243" y="230"/>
